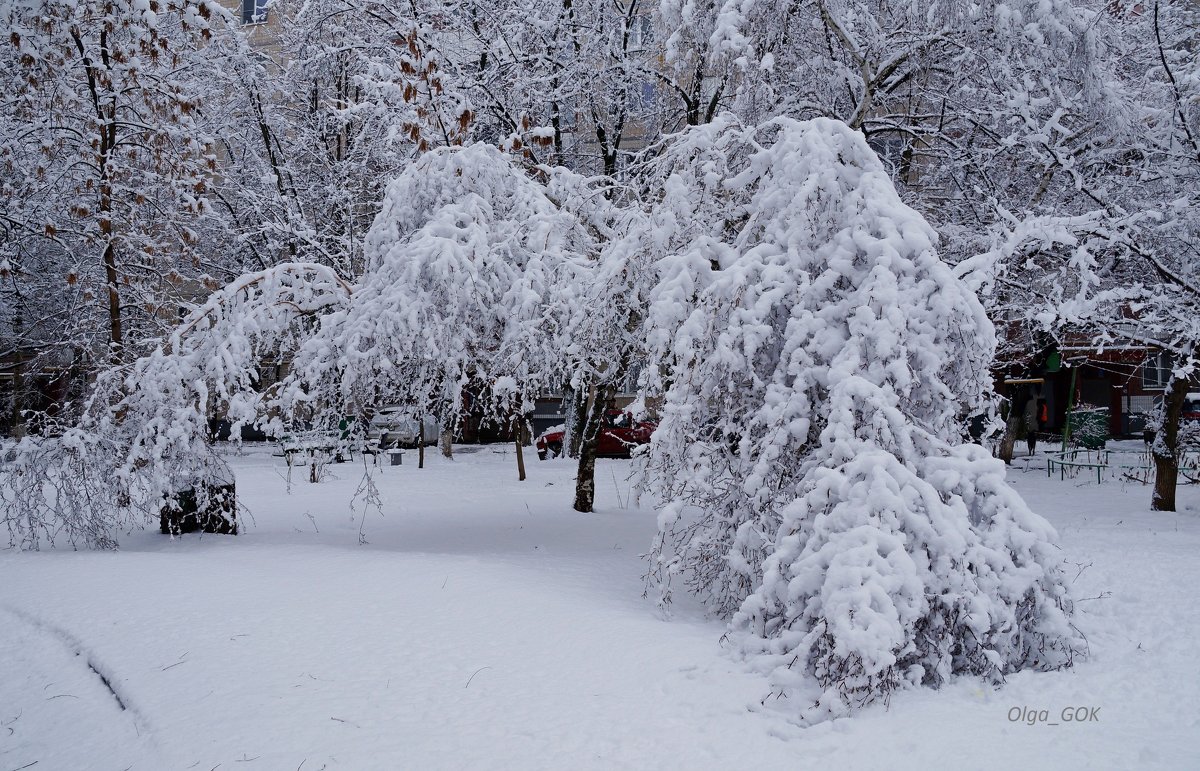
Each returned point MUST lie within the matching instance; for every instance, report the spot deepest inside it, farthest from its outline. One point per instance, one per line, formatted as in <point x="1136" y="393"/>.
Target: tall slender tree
<point x="106" y="168"/>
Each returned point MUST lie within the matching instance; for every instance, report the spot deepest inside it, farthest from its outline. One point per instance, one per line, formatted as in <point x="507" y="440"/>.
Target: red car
<point x="1191" y="409"/>
<point x="619" y="434"/>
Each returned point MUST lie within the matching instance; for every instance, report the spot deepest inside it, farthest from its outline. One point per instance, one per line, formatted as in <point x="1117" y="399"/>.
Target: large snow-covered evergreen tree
<point x="817" y="361"/>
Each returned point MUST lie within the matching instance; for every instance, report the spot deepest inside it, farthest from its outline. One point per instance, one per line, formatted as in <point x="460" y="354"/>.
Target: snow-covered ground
<point x="484" y="624"/>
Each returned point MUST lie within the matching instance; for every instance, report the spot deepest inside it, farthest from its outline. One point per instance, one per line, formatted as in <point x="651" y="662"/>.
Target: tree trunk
<point x="520" y="449"/>
<point x="421" y="444"/>
<point x="447" y="441"/>
<point x="585" y="481"/>
<point x="576" y="420"/>
<point x="106" y="145"/>
<point x="111" y="274"/>
<point x="1165" y="449"/>
<point x="18" y="396"/>
<point x="570" y="406"/>
<point x="1011" y="429"/>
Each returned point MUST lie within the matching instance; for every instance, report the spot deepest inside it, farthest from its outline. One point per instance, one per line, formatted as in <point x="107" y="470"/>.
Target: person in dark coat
<point x="1031" y="423"/>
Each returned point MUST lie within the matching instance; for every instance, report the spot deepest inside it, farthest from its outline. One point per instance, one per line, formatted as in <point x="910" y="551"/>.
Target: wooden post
<point x="1070" y="406"/>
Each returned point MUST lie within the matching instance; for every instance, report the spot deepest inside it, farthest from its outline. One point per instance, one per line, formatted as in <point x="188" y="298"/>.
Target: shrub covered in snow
<point x="817" y="362"/>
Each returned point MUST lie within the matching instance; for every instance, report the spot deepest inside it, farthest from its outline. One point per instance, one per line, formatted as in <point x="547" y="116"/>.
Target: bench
<point x="1188" y="462"/>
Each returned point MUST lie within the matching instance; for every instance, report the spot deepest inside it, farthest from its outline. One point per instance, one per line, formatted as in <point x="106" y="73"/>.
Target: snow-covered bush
<point x="817" y="362"/>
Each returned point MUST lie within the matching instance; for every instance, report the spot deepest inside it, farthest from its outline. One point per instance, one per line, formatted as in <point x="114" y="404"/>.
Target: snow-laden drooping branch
<point x="818" y="364"/>
<point x="211" y="363"/>
<point x="144" y="434"/>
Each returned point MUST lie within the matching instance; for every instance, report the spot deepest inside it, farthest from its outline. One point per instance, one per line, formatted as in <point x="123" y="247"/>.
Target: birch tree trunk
<point x="585" y="481"/>
<point x="576" y="419"/>
<point x="570" y="413"/>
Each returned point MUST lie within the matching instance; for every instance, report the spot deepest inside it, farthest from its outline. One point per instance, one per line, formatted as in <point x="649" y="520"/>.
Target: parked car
<point x="392" y="427"/>
<point x="619" y="434"/>
<point x="1191" y="408"/>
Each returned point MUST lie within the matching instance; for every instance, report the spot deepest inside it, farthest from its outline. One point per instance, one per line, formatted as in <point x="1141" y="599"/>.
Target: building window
<point x="566" y="114"/>
<point x="649" y="93"/>
<point x="641" y="32"/>
<point x="891" y="149"/>
<point x="254" y="11"/>
<point x="1156" y="371"/>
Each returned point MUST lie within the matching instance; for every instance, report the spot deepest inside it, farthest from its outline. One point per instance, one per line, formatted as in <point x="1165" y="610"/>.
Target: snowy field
<point x="484" y="624"/>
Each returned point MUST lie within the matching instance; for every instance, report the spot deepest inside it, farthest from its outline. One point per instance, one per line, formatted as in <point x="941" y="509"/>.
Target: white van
<point x="392" y="427"/>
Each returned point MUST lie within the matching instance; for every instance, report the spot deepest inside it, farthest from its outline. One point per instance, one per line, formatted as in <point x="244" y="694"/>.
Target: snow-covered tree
<point x="977" y="109"/>
<point x="692" y="75"/>
<point x="473" y="265"/>
<point x="1107" y="241"/>
<point x="1150" y="206"/>
<point x="463" y="265"/>
<point x="817" y="362"/>
<point x="313" y="125"/>
<point x="564" y="82"/>
<point x="104" y="167"/>
<point x="605" y="342"/>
